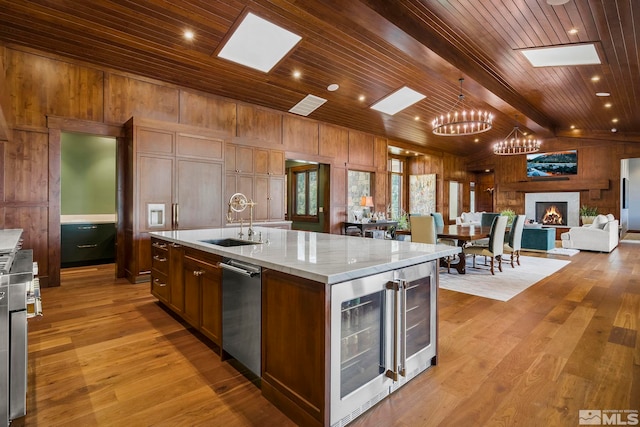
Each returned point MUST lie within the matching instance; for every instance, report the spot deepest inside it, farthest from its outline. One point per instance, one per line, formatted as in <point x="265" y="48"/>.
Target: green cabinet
<point x="87" y="244"/>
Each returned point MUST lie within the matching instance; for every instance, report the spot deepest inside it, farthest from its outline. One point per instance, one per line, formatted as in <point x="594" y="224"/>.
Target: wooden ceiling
<point x="370" y="48"/>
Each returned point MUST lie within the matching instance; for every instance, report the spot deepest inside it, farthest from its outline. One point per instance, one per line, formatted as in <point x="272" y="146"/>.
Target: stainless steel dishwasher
<point x="241" y="312"/>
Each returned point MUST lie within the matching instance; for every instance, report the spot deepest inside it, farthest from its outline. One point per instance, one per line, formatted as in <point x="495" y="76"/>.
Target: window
<point x="396" y="182"/>
<point x="305" y="194"/>
<point x="358" y="186"/>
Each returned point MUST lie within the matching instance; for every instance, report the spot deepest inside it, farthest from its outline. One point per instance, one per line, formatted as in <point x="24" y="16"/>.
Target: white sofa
<point x="601" y="235"/>
<point x="469" y="218"/>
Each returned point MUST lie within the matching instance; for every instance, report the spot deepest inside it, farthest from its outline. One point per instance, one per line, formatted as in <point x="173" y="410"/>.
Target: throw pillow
<point x="599" y="221"/>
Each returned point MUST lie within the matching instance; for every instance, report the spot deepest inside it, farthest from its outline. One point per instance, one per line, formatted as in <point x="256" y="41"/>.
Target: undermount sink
<point x="228" y="242"/>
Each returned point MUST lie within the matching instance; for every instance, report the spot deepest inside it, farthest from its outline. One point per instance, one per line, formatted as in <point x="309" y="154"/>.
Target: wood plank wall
<point x="41" y="86"/>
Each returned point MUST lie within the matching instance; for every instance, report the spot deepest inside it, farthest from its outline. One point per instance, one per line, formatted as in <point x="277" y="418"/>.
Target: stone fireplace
<point x="561" y="209"/>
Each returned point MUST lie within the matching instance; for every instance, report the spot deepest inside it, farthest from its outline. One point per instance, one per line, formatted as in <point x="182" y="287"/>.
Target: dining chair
<point x="496" y="244"/>
<point x="514" y="243"/>
<point x="423" y="230"/>
<point x="487" y="218"/>
<point x="439" y="222"/>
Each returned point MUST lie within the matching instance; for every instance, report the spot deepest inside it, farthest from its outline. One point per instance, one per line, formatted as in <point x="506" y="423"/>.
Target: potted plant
<point x="510" y="214"/>
<point x="588" y="214"/>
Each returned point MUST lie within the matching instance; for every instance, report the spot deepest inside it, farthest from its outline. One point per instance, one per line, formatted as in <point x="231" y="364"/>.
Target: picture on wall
<point x="552" y="164"/>
<point x="422" y="194"/>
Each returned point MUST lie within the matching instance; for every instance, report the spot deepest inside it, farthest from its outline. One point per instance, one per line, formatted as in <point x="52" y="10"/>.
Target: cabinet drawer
<point x="160" y="259"/>
<point x="87" y="242"/>
<point x="159" y="285"/>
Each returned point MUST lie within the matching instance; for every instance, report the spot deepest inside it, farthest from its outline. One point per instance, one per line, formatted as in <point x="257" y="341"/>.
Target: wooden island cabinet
<point x="338" y="332"/>
<point x="189" y="282"/>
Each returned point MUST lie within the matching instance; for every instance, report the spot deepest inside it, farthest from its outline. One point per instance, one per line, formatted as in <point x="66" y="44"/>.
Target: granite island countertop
<point x="325" y="258"/>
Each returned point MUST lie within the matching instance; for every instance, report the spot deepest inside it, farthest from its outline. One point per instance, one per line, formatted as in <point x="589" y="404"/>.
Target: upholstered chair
<point x="496" y="244"/>
<point x="514" y="243"/>
<point x="439" y="221"/>
<point x="423" y="230"/>
<point x="487" y="218"/>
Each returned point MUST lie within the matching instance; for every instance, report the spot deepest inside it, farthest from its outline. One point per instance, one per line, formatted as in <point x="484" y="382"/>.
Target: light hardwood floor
<point x="106" y="353"/>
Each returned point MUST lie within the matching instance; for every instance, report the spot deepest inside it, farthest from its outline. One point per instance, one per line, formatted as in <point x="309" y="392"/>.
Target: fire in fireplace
<point x="551" y="213"/>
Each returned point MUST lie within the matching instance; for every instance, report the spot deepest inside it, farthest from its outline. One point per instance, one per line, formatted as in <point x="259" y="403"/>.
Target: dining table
<point x="463" y="234"/>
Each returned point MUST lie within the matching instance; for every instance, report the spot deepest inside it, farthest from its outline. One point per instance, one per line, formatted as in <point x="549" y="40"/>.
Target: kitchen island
<point x="344" y="320"/>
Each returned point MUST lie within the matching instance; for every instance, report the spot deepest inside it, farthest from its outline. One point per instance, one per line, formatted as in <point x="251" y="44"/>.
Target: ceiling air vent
<point x="308" y="105"/>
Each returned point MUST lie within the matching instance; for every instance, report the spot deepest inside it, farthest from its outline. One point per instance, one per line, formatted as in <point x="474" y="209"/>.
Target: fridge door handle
<point x="403" y="329"/>
<point x="395" y="287"/>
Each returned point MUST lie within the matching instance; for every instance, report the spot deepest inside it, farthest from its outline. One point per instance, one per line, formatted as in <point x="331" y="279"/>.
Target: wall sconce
<point x="489" y="190"/>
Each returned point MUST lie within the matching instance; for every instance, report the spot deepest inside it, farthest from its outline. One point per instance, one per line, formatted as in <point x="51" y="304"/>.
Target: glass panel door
<point x="418" y="312"/>
<point x="361" y="341"/>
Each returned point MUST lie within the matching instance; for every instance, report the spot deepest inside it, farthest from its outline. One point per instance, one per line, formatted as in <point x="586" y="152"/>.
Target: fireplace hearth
<point x="551" y="213"/>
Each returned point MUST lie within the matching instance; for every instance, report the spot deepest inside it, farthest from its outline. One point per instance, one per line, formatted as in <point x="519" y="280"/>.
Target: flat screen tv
<point x="557" y="163"/>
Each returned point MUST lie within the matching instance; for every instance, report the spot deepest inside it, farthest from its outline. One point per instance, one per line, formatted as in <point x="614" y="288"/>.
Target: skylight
<point x="259" y="44"/>
<point x="398" y="101"/>
<point x="561" y="56"/>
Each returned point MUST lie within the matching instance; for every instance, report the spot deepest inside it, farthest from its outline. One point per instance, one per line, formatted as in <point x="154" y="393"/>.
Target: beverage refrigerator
<point x="383" y="333"/>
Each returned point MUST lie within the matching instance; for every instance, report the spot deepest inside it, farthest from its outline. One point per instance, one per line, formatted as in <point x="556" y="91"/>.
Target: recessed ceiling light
<point x="296" y="74"/>
<point x="607" y="105"/>
<point x="398" y="101"/>
<point x="572" y="126"/>
<point x="361" y="98"/>
<point x="614" y="130"/>
<point x="308" y="105"/>
<point x="614" y="120"/>
<point x="573" y="31"/>
<point x="557" y="2"/>
<point x="333" y="87"/>
<point x="416" y="118"/>
<point x="188" y="35"/>
<point x="561" y="56"/>
<point x="603" y="94"/>
<point x="595" y="78"/>
<point x="259" y="44"/>
<point x="476" y="140"/>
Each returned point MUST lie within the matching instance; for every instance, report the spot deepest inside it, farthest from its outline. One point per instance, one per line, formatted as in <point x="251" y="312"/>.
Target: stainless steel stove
<point x="17" y="290"/>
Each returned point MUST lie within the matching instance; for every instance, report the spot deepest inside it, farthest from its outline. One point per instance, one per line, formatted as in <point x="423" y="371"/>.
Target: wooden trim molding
<point x="543" y="185"/>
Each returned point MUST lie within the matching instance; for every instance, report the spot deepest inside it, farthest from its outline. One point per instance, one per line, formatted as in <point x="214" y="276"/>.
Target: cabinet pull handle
<point x="159" y="258"/>
<point x="86" y="246"/>
<point x="175" y="245"/>
<point x="88" y="227"/>
<point x="159" y="245"/>
<point x="177" y="215"/>
<point x="157" y="282"/>
<point x="198" y="273"/>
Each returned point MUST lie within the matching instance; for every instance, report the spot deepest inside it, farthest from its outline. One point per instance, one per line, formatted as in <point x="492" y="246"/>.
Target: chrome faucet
<point x="238" y="203"/>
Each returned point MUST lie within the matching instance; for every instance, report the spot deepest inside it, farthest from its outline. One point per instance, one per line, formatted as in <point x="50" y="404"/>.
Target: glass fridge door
<point x="419" y="330"/>
<point x="359" y="345"/>
<point x="361" y="348"/>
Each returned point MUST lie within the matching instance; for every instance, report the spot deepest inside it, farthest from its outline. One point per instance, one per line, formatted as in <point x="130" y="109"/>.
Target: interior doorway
<point x="87" y="199"/>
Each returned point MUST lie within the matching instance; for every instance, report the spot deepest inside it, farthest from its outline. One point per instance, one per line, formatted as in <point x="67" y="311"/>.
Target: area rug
<point x="563" y="251"/>
<point x="503" y="285"/>
<point x="631" y="238"/>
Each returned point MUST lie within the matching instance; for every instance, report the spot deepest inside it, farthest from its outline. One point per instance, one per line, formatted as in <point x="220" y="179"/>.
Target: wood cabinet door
<point x="211" y="309"/>
<point x="176" y="287"/>
<point x="276" y="162"/>
<point x="191" y="272"/>
<point x="199" y="189"/>
<point x="268" y="162"/>
<point x="261" y="209"/>
<point x="238" y="158"/>
<point x="155" y="189"/>
<point x="276" y="198"/>
<point x="237" y="183"/>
